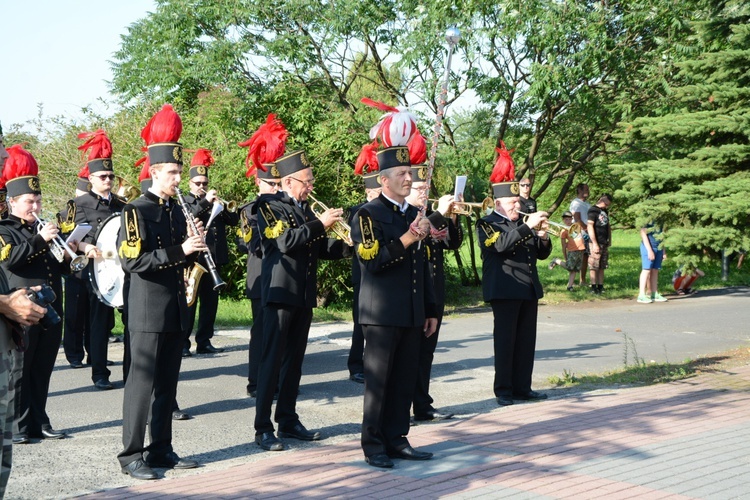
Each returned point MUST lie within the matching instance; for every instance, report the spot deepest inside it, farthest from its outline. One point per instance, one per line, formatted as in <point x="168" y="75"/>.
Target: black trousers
<point x="101" y="322"/>
<point x="390" y="374"/>
<point x="256" y="344"/>
<point x="77" y="330"/>
<point x="32" y="372"/>
<point x="285" y="331"/>
<point x="150" y="392"/>
<point x="206" y="305"/>
<point x="355" y="362"/>
<point x="515" y="342"/>
<point x="427" y="345"/>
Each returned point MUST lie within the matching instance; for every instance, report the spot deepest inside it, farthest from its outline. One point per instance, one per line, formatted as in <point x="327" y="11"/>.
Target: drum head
<point x="107" y="276"/>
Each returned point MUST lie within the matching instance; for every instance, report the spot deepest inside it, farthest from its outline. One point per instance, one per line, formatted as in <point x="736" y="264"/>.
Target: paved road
<point x="581" y="338"/>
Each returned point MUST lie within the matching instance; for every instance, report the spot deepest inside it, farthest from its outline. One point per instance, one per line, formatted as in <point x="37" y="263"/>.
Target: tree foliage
<point x="689" y="165"/>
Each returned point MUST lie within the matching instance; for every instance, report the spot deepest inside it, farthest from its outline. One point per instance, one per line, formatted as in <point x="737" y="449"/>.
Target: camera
<point x="45" y="297"/>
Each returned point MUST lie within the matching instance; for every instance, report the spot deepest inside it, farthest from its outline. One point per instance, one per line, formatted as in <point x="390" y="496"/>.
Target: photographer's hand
<point x="18" y="307"/>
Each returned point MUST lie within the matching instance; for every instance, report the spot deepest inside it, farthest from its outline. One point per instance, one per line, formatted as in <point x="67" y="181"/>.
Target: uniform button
<point x="415" y="290"/>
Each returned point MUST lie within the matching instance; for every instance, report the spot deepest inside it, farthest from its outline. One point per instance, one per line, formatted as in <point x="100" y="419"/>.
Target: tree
<point x="689" y="166"/>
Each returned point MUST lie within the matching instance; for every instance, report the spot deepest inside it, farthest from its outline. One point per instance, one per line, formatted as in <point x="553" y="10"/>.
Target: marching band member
<point x="155" y="247"/>
<point x="200" y="201"/>
<point x="293" y="239"/>
<point x="510" y="248"/>
<point x="93" y="208"/>
<point x="264" y="147"/>
<point x="27" y="260"/>
<point x="444" y="235"/>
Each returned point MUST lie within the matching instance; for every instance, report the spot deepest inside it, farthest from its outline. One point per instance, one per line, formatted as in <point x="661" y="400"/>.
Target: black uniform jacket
<point x="150" y="250"/>
<point x="510" y="250"/>
<point x="248" y="241"/>
<point x="216" y="236"/>
<point x="355" y="260"/>
<point x="396" y="287"/>
<point x="26" y="258"/>
<point x="293" y="239"/>
<point x="436" y="249"/>
<point x="90" y="208"/>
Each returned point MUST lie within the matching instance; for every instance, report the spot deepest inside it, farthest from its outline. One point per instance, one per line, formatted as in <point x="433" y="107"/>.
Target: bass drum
<point x="107" y="276"/>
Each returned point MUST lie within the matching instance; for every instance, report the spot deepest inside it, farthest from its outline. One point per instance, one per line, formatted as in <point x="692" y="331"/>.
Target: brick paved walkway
<point x="688" y="439"/>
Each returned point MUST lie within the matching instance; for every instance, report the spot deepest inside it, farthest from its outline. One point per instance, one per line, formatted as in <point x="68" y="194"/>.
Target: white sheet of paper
<point x="460" y="186"/>
<point x="79" y="232"/>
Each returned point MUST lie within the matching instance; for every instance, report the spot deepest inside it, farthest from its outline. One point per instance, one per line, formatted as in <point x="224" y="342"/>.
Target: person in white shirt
<point x="580" y="209"/>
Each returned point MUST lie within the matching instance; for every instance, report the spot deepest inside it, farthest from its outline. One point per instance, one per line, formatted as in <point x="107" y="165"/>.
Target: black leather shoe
<point x="380" y="460"/>
<point x="138" y="469"/>
<point x="251" y="393"/>
<point x="269" y="442"/>
<point x="432" y="414"/>
<point x="299" y="432"/>
<point x="103" y="384"/>
<point x="208" y="349"/>
<point x="410" y="453"/>
<point x="49" y="433"/>
<point x="186" y="352"/>
<point x="20" y="438"/>
<point x="504" y="400"/>
<point x="180" y="415"/>
<point x="110" y="363"/>
<point x="170" y="461"/>
<point x="114" y="339"/>
<point x="530" y="396"/>
<point x="357" y="377"/>
<point x="76" y="364"/>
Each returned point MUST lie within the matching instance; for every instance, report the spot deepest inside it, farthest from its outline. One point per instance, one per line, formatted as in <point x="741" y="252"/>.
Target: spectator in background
<point x="683" y="283"/>
<point x="580" y="210"/>
<point x="651" y="259"/>
<point x="600" y="238"/>
<point x="572" y="247"/>
<point x="528" y="204"/>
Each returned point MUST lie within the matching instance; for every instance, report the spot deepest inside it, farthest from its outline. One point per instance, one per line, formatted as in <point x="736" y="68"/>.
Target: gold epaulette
<point x="131" y="245"/>
<point x="491" y="234"/>
<point x="369" y="247"/>
<point x="275" y="227"/>
<point x="244" y="231"/>
<point x="5" y="251"/>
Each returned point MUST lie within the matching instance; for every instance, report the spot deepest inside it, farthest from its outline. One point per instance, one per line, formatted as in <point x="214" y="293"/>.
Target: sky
<point x="56" y="52"/>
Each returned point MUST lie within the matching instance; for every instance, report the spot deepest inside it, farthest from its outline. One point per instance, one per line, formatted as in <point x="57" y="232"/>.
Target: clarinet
<point x="190" y="219"/>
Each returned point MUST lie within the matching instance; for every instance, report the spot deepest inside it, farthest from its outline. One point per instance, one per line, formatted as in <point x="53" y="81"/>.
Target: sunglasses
<point x="305" y="183"/>
<point x="525" y="185"/>
<point x="271" y="183"/>
<point x="200" y="183"/>
<point x="105" y="176"/>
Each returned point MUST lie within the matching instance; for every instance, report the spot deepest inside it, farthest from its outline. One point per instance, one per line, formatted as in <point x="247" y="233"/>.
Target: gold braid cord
<point x="69" y="224"/>
<point x="244" y="231"/>
<point x="131" y="246"/>
<point x="369" y="247"/>
<point x="275" y="227"/>
<point x="5" y="251"/>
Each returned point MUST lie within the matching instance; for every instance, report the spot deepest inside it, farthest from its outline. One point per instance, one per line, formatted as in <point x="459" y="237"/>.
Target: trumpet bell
<point x="126" y="190"/>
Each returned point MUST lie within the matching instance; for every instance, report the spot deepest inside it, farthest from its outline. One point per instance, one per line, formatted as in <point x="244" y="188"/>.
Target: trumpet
<point x="231" y="206"/>
<point x="341" y="229"/>
<point x="467" y="208"/>
<point x="59" y="248"/>
<point x="125" y="189"/>
<point x="555" y="227"/>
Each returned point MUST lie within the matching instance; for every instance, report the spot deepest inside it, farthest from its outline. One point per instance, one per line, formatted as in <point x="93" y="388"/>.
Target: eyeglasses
<point x="272" y="183"/>
<point x="525" y="185"/>
<point x="200" y="183"/>
<point x="307" y="183"/>
<point x="105" y="176"/>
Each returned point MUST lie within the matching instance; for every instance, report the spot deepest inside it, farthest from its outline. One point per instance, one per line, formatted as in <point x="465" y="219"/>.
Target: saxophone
<point x="193" y="277"/>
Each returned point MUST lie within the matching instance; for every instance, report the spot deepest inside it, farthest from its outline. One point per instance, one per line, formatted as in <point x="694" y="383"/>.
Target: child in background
<point x="683" y="284"/>
<point x="572" y="247"/>
<point x="651" y="259"/>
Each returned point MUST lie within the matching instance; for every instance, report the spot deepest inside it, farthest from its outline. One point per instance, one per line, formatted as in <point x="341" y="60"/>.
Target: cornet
<point x="59" y="248"/>
<point x="125" y="189"/>
<point x="231" y="206"/>
<point x="467" y="208"/>
<point x="554" y="227"/>
<point x="339" y="228"/>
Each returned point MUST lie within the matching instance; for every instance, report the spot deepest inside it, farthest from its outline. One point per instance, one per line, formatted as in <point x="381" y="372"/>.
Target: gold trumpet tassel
<point x="368" y="253"/>
<point x="491" y="240"/>
<point x="130" y="251"/>
<point x="248" y="235"/>
<point x="275" y="231"/>
<point x="67" y="227"/>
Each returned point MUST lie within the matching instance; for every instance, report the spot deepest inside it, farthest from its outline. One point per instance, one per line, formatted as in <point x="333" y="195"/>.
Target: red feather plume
<point x="379" y="105"/>
<point x="266" y="145"/>
<point x="145" y="173"/>
<point x="84" y="172"/>
<point x="19" y="163"/>
<point x="417" y="149"/>
<point x="164" y="126"/>
<point x="97" y="143"/>
<point x="202" y="157"/>
<point x="504" y="169"/>
<point x="367" y="161"/>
